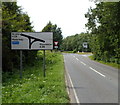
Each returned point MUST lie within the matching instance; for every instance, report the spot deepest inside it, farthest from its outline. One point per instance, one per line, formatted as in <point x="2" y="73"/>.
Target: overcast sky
<point x="67" y="14"/>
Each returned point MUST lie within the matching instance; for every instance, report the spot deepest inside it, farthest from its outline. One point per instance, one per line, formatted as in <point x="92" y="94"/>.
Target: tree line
<point x="14" y="20"/>
<point x="102" y="36"/>
<point x="103" y="33"/>
<point x="75" y="43"/>
<point x="104" y="30"/>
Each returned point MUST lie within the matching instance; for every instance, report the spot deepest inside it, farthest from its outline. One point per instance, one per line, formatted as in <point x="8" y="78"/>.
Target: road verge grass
<point x="106" y="63"/>
<point x="34" y="88"/>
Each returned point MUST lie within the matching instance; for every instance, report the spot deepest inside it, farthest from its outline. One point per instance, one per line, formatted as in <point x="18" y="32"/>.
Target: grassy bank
<point x="34" y="88"/>
<point x="107" y="63"/>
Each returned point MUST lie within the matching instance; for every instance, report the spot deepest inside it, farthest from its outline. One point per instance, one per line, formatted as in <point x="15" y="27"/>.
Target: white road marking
<point x="74" y="56"/>
<point x="66" y="84"/>
<point x="76" y="97"/>
<point x="91" y="68"/>
<point x="77" y="59"/>
<point x="83" y="63"/>
<point x="80" y="61"/>
<point x="85" y="55"/>
<point x="97" y="72"/>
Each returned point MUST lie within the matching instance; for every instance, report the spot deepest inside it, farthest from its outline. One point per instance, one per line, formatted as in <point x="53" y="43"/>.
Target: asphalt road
<point x="91" y="82"/>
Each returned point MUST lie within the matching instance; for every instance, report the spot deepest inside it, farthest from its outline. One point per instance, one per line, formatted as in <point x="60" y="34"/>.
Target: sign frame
<point x="56" y="44"/>
<point x="85" y="45"/>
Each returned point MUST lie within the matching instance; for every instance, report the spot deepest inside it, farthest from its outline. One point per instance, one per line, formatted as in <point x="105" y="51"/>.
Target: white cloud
<point x="67" y="14"/>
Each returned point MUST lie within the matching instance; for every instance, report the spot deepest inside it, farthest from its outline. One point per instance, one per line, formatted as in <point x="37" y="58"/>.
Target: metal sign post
<point x="44" y="63"/>
<point x="21" y="64"/>
<point x="32" y="41"/>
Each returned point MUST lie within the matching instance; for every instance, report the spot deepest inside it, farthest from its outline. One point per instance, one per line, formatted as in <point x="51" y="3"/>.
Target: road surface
<point x="89" y="81"/>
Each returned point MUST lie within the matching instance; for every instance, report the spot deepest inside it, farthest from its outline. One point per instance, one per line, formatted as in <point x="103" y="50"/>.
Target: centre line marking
<point x="77" y="58"/>
<point x="97" y="72"/>
<point x="83" y="63"/>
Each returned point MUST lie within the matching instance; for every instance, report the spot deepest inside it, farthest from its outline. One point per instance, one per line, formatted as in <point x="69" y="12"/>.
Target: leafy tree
<point x="75" y="42"/>
<point x="57" y="33"/>
<point x="104" y="25"/>
<point x="14" y="20"/>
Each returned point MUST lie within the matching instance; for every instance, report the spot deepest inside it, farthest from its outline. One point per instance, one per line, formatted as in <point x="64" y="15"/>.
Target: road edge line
<point x="75" y="94"/>
<point x="66" y="82"/>
<point x="67" y="75"/>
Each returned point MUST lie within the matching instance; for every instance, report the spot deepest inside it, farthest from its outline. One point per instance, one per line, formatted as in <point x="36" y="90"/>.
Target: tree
<point x="14" y="20"/>
<point x="104" y="24"/>
<point x="57" y="33"/>
<point x="75" y="42"/>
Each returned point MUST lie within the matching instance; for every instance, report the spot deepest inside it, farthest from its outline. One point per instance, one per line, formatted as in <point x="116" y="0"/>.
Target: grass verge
<point x="106" y="63"/>
<point x="34" y="88"/>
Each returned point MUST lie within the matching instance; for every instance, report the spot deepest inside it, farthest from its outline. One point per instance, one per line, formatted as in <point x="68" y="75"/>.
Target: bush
<point x="74" y="51"/>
